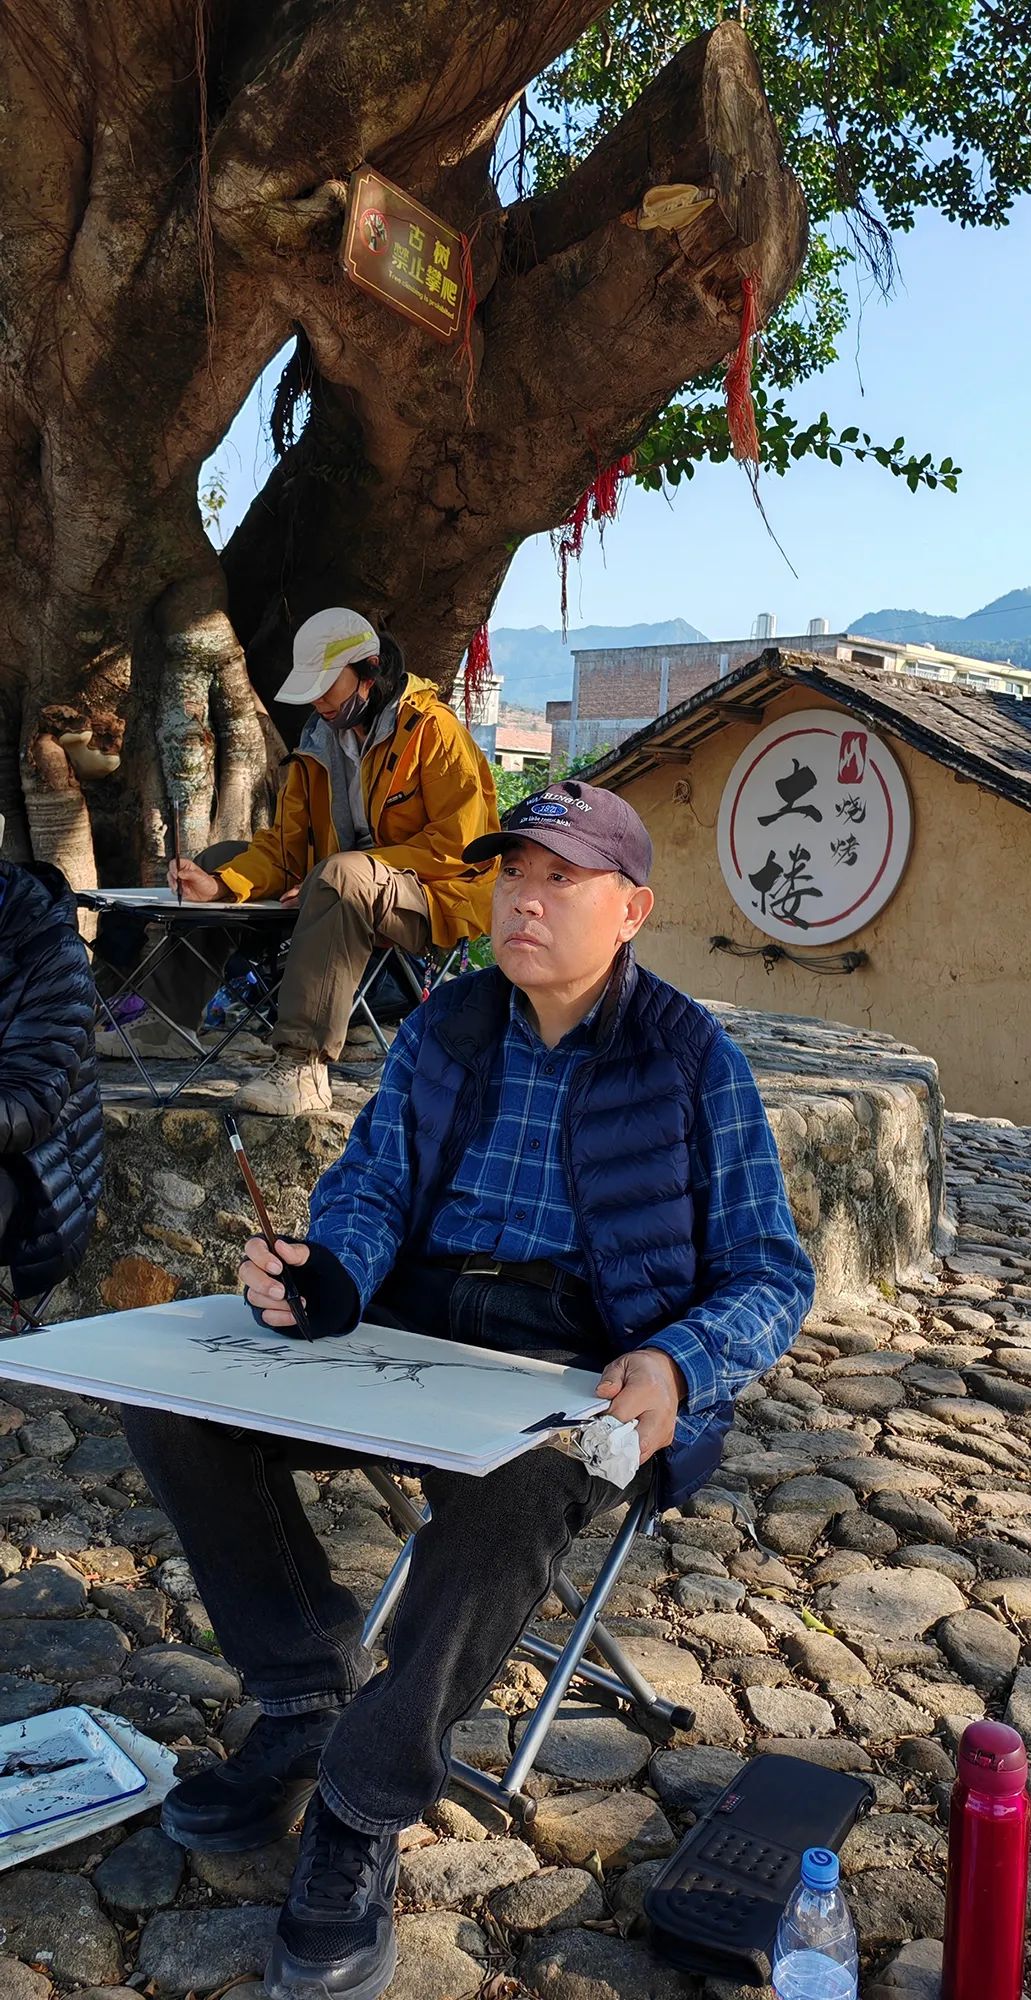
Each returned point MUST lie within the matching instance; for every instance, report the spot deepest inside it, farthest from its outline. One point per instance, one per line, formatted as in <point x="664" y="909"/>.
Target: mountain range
<point x="1001" y="630"/>
<point x="537" y="665"/>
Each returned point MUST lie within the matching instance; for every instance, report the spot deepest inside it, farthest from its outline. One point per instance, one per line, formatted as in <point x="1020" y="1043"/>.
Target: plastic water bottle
<point x="815" y="1956"/>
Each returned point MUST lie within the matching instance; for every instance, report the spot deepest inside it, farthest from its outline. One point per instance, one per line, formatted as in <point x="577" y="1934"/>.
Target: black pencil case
<point x="716" y="1905"/>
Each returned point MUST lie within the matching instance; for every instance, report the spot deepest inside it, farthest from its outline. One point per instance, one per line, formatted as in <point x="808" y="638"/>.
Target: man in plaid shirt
<point x="566" y="1158"/>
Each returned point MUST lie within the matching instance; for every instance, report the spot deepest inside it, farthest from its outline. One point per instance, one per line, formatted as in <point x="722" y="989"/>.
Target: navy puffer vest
<point x="626" y="1144"/>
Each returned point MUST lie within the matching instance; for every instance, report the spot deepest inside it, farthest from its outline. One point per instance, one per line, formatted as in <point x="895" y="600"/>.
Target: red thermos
<point x="986" y="1892"/>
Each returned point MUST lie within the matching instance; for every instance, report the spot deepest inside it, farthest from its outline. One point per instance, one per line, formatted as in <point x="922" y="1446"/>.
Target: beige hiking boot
<point x="292" y="1085"/>
<point x="151" y="1039"/>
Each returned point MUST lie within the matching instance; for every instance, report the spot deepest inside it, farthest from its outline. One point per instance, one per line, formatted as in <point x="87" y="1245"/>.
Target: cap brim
<point x="565" y="845"/>
<point x="302" y="685"/>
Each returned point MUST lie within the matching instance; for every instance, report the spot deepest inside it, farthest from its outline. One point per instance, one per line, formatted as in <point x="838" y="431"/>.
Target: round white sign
<point x="814" y="827"/>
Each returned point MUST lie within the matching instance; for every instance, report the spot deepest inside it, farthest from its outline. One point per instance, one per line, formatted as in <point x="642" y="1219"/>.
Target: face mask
<point x="352" y="711"/>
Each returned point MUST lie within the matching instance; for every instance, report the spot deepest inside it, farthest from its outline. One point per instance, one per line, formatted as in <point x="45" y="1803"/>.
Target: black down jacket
<point x="51" y="1131"/>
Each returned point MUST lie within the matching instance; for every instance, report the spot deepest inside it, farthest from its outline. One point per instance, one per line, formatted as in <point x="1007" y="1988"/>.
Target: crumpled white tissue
<point x="610" y="1449"/>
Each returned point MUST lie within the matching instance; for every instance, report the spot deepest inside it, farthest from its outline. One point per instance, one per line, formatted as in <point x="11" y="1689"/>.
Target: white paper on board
<point x="377" y="1391"/>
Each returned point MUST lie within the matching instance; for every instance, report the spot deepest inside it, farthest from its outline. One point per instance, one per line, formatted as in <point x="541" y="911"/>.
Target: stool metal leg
<point x="620" y="1681"/>
<point x="506" y="1791"/>
<point x="409" y="1517"/>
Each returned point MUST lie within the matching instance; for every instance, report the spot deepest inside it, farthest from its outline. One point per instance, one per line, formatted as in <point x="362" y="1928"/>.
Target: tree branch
<point x="629" y="316"/>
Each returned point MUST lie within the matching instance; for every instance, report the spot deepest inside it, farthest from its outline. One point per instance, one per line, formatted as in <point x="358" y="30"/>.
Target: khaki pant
<point x="346" y="906"/>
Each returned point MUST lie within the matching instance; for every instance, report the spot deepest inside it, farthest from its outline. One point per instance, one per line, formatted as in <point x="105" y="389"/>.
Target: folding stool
<point x="440" y="964"/>
<point x="618" y="1681"/>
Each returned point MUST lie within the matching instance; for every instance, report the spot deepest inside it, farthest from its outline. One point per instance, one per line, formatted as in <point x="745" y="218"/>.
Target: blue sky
<point x="943" y="362"/>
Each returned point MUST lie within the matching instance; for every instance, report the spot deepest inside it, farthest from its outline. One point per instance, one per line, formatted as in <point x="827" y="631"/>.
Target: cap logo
<point x="337" y="646"/>
<point x="545" y="809"/>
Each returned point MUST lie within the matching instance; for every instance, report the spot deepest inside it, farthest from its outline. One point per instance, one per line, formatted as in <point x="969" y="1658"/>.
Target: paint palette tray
<point x="55" y="1766"/>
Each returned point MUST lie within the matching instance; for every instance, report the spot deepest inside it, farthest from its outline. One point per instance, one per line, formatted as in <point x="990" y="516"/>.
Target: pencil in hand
<point x="178" y="846"/>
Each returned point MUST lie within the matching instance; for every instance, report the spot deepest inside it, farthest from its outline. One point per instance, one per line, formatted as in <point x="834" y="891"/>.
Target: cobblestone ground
<point x="852" y="1588"/>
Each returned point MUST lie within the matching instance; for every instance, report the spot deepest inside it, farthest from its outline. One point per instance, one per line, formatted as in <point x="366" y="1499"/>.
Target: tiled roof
<point x="980" y="735"/>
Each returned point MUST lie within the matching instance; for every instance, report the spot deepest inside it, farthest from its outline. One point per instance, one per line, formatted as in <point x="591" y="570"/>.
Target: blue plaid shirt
<point x="510" y="1197"/>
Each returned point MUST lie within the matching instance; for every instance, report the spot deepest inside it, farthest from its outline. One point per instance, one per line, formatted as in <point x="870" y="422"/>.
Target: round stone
<point x="440" y="1953"/>
<point x="185" y="1951"/>
<point x="66" y="1649"/>
<point x="692" y="1561"/>
<point x="925" y="1756"/>
<point x="454" y="1872"/>
<point x="867" y="1395"/>
<point x="1013" y="1592"/>
<point x="991" y="1553"/>
<point x="590" y="1746"/>
<point x="579" y="1965"/>
<point x="947" y="1562"/>
<point x="965" y="1413"/>
<point x="183" y="1670"/>
<point x="44" y="1591"/>
<point x="688" y="1780"/>
<point x="143" y="1873"/>
<point x="726" y="1631"/>
<point x="555" y="1899"/>
<point x="708" y="1593"/>
<point x="934" y="1381"/>
<point x="915" y="1519"/>
<point x="983" y="1650"/>
<point x="56" y="1917"/>
<point x="789" y="1711"/>
<point x="865" y="1535"/>
<point x="889" y="1604"/>
<point x="811" y="1494"/>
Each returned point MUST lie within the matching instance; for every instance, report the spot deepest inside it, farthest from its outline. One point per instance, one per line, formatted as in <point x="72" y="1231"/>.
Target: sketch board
<point x="166" y="899"/>
<point x="377" y="1392"/>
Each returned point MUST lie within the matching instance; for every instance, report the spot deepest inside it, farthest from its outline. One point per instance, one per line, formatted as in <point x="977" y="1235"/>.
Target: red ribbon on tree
<point x="600" y="503"/>
<point x="744" y="438"/>
<point x="478" y="669"/>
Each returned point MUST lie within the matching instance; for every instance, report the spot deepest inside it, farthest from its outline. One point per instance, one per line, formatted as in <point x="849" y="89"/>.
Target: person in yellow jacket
<point x="383" y="793"/>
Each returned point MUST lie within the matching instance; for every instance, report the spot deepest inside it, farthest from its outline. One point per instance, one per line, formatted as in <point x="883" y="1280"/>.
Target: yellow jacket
<point x="428" y="792"/>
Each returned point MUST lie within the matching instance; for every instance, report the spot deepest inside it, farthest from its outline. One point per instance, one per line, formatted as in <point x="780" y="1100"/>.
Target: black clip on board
<point x="716" y="1904"/>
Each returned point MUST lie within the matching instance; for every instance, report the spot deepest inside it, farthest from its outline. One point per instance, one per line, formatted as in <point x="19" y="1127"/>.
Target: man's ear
<point x="640" y="905"/>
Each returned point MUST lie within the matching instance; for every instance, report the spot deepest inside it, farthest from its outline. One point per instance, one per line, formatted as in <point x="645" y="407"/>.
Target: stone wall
<point x="857" y="1119"/>
<point x="859" y="1123"/>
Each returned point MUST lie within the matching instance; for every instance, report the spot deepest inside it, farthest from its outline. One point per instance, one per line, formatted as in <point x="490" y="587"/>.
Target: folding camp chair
<point x="175" y="928"/>
<point x="17" y="1318"/>
<point x="402" y="965"/>
<point x="618" y="1681"/>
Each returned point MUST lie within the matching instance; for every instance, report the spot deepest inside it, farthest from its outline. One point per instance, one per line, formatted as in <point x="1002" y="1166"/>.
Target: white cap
<point x="323" y="646"/>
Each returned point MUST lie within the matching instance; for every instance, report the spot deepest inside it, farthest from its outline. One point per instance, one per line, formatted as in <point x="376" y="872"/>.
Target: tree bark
<point x="393" y="499"/>
<point x="172" y="202"/>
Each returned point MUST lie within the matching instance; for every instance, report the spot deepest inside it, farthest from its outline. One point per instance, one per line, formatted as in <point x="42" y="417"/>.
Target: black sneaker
<point x="335" y="1939"/>
<point x="258" y="1793"/>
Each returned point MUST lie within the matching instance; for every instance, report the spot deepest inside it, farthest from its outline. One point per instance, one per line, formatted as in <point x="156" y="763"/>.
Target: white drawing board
<point x="166" y="899"/>
<point x="377" y="1392"/>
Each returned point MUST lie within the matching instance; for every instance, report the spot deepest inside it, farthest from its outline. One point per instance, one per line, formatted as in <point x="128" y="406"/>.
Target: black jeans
<point x="480" y="1568"/>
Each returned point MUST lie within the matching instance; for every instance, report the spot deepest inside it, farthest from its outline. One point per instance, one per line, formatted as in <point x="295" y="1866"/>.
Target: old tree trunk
<point x="172" y="202"/>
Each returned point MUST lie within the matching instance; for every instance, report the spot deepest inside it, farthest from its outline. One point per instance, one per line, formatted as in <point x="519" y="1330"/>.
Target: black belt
<point x="478" y="1264"/>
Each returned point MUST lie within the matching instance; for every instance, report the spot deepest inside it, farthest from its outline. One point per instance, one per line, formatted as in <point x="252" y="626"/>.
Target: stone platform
<point x="857" y="1118"/>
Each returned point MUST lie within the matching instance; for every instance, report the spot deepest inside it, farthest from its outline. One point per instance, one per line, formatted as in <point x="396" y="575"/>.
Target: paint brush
<point x="293" y="1296"/>
<point x="178" y="850"/>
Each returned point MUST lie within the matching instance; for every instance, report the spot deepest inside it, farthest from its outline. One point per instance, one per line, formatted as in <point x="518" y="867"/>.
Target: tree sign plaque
<point x="404" y="256"/>
<point x="814" y="827"/>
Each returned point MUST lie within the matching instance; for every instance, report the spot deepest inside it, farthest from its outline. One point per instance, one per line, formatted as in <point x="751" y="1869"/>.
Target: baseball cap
<point x="323" y="646"/>
<point x="582" y="823"/>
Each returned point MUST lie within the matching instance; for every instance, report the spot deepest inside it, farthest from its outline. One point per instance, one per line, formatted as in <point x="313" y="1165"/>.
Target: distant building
<point x="511" y="745"/>
<point x="836" y="841"/>
<point x="618" y="691"/>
